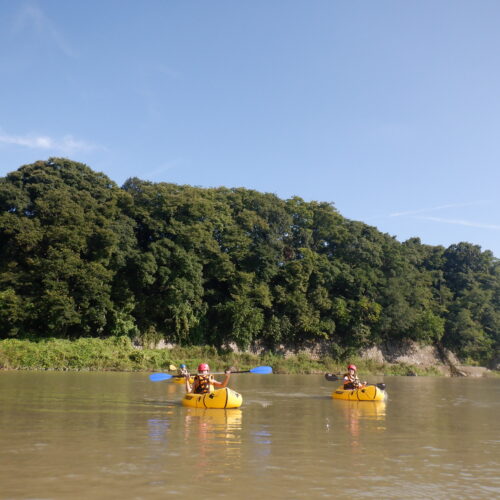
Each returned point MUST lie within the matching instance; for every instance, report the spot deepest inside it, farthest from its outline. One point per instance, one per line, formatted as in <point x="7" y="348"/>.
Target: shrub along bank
<point x="119" y="354"/>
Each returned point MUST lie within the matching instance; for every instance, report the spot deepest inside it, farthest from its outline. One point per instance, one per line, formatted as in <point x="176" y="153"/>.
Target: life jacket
<point x="204" y="385"/>
<point x="350" y="383"/>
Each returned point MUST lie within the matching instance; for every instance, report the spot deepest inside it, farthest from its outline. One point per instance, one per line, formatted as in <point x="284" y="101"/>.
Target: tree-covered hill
<point x="80" y="257"/>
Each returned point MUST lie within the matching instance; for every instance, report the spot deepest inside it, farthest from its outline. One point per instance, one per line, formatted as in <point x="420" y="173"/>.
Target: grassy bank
<point x="119" y="354"/>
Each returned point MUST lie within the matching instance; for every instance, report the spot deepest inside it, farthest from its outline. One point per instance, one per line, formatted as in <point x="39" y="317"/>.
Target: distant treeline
<point x="82" y="257"/>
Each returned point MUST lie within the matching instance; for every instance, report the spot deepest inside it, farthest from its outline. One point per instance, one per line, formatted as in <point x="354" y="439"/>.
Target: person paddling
<point x="204" y="382"/>
<point x="351" y="380"/>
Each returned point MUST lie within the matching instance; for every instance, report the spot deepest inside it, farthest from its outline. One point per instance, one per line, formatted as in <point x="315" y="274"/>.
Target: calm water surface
<point x="118" y="435"/>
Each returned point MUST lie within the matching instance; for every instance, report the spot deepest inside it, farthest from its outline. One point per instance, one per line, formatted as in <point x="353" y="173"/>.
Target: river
<point x="67" y="435"/>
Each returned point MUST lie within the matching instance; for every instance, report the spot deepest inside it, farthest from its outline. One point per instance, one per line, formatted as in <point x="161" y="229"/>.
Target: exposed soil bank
<point x="412" y="353"/>
<point x="404" y="352"/>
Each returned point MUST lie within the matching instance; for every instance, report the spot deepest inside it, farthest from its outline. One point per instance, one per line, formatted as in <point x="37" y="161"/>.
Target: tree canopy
<point x="80" y="257"/>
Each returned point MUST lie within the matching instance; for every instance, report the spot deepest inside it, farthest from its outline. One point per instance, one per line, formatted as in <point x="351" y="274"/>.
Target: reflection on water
<point x="263" y="440"/>
<point x="355" y="412"/>
<point x="158" y="429"/>
<point x="91" y="435"/>
<point x="222" y="424"/>
<point x="211" y="431"/>
<point x="368" y="410"/>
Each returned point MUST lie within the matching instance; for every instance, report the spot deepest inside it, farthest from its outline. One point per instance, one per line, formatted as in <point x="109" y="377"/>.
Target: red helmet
<point x="202" y="367"/>
<point x="352" y="367"/>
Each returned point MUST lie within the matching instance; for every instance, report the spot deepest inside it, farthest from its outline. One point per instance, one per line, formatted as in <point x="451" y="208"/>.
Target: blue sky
<point x="389" y="109"/>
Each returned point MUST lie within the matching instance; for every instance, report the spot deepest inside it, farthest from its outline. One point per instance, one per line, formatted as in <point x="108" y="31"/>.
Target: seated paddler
<point x="351" y="380"/>
<point x="182" y="370"/>
<point x="203" y="382"/>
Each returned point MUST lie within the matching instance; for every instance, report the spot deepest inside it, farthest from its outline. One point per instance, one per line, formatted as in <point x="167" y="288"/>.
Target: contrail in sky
<point x="167" y="166"/>
<point x="441" y="207"/>
<point x="31" y="17"/>
<point x="461" y="222"/>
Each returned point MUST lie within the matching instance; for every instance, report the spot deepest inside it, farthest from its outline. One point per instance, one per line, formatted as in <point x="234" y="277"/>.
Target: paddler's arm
<point x="224" y="382"/>
<point x="188" y="384"/>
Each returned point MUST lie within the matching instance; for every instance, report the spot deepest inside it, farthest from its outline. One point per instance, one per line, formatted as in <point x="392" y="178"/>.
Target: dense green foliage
<point x="82" y="257"/>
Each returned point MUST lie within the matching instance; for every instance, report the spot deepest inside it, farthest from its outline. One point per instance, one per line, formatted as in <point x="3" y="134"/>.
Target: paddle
<point x="331" y="377"/>
<point x="157" y="377"/>
<point x="261" y="370"/>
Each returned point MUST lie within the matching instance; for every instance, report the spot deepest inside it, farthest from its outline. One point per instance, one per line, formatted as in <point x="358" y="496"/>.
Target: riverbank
<point x="120" y="354"/>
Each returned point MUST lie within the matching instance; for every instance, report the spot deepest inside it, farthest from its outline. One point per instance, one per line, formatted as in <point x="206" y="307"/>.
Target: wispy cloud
<point x="460" y="222"/>
<point x="68" y="144"/>
<point x="440" y="207"/>
<point x="31" y="17"/>
<point x="163" y="168"/>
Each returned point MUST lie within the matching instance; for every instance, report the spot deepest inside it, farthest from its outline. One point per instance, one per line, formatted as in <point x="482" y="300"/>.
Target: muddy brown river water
<point x="120" y="436"/>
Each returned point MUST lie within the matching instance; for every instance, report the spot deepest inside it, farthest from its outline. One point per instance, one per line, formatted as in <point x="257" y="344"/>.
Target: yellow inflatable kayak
<point x="366" y="393"/>
<point x="220" y="398"/>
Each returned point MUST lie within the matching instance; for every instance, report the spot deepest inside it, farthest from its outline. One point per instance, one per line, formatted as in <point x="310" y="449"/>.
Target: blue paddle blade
<point x="263" y="370"/>
<point x="158" y="377"/>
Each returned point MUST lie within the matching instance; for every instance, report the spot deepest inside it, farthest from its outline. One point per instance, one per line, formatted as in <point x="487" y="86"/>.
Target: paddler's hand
<point x="227" y="372"/>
